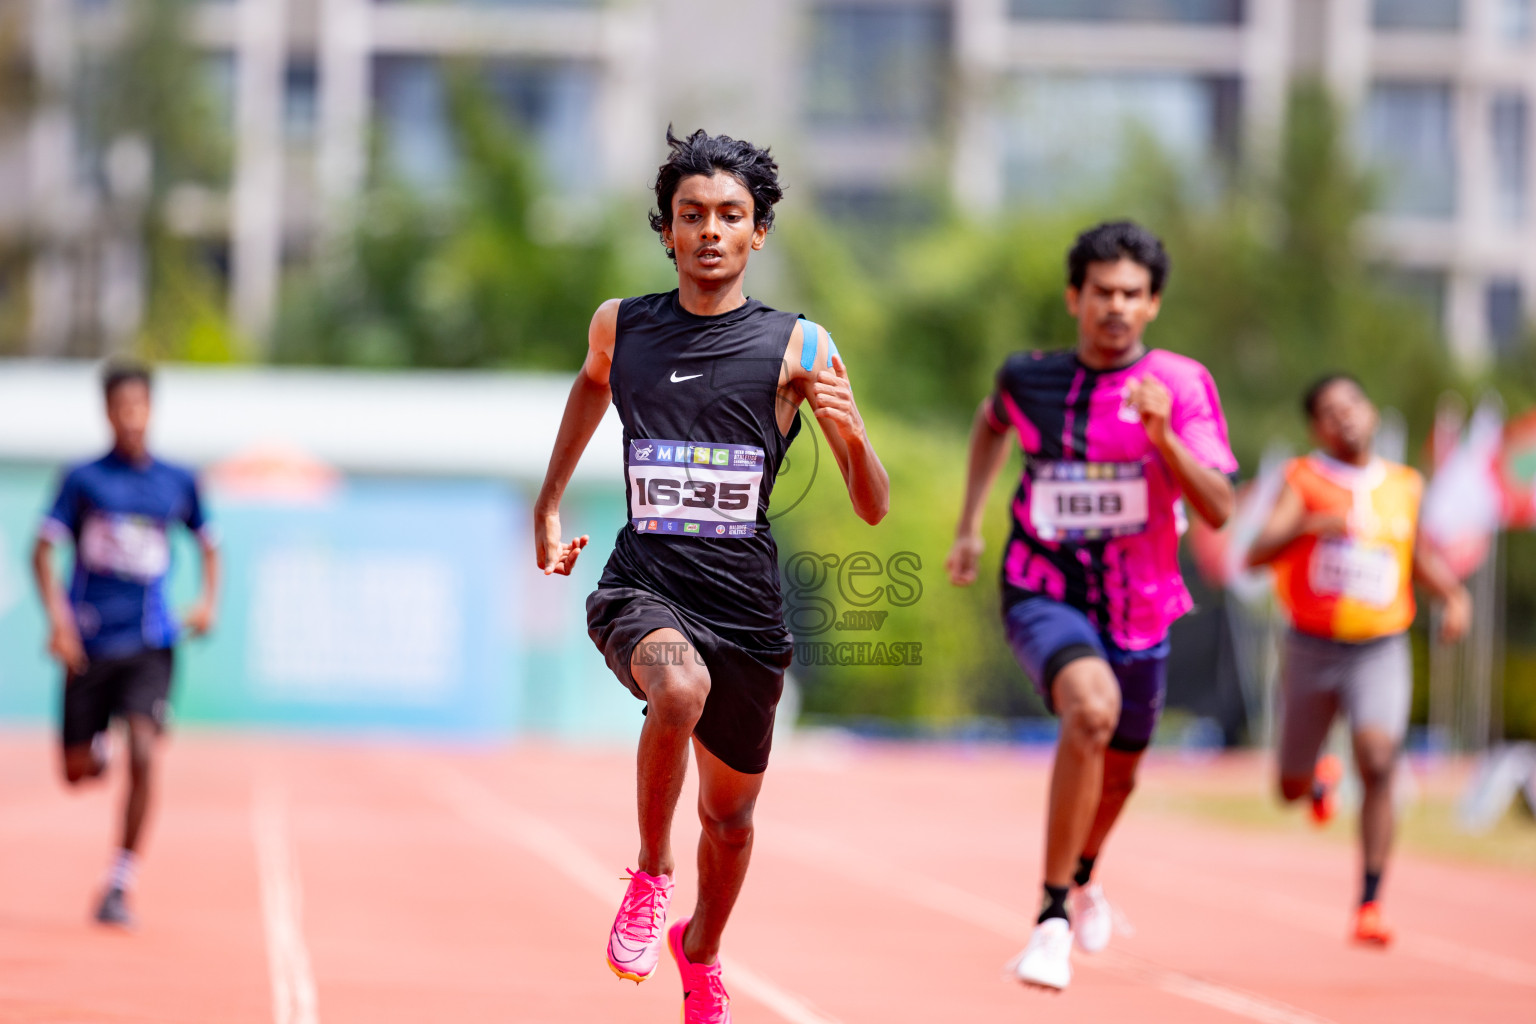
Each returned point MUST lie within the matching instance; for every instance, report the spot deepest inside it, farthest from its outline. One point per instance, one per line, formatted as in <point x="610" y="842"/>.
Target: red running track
<point x="299" y="881"/>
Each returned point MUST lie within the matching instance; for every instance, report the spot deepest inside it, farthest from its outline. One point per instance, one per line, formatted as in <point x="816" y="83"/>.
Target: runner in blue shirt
<point x="113" y="630"/>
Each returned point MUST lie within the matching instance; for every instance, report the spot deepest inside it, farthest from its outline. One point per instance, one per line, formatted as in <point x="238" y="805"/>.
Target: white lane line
<point x="934" y="894"/>
<point x="293" y="983"/>
<point x="1322" y="920"/>
<point x="483" y="806"/>
<point x="1454" y="954"/>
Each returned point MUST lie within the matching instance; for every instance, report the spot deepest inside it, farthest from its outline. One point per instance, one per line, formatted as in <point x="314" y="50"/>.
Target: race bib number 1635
<point x="696" y="489"/>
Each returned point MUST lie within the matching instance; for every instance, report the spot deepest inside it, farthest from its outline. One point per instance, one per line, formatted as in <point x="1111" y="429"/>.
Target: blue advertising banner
<point x="378" y="604"/>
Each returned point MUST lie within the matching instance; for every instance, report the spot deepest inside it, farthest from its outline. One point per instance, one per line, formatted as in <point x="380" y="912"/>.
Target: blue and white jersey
<point x="118" y="514"/>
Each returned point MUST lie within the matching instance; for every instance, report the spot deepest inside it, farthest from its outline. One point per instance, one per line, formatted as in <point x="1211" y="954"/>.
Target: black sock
<point x="1372" y="881"/>
<point x="1054" y="904"/>
<point x="1084" y="870"/>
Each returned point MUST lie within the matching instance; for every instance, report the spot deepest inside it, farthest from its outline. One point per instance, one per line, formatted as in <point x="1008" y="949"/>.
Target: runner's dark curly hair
<point x="1115" y="240"/>
<point x="706" y="154"/>
<point x="1314" y="394"/>
<point x="124" y="371"/>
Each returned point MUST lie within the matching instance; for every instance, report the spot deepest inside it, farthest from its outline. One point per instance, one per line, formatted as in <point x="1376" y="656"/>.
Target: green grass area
<point x="1428" y="827"/>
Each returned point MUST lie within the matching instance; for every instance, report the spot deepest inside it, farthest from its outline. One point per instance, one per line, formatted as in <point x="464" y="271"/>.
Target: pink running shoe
<point x="634" y="944"/>
<point x="705" y="1000"/>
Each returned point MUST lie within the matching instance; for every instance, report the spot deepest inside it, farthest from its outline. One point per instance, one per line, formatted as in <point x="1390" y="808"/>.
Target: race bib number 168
<point x="1076" y="501"/>
<point x="695" y="489"/>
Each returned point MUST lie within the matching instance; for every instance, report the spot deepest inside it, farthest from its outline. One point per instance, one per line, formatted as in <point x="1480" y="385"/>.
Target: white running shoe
<point x="1047" y="961"/>
<point x="1092" y="916"/>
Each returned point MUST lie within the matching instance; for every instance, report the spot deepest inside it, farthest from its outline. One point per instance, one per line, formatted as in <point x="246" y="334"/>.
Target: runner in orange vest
<point x="1344" y="542"/>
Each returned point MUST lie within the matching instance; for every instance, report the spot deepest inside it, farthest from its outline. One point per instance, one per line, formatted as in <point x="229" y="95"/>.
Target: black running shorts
<point x="136" y="684"/>
<point x="744" y="685"/>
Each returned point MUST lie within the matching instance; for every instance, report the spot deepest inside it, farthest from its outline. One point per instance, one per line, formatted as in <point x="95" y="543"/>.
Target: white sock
<point x="124" y="867"/>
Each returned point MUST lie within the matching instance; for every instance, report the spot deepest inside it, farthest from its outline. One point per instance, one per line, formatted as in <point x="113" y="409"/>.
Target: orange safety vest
<point x="1360" y="586"/>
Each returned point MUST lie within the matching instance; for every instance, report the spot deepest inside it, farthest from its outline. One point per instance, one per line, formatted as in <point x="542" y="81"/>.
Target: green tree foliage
<point x="151" y="84"/>
<point x="490" y="273"/>
<point x="147" y="90"/>
<point x="17" y="95"/>
<point x="966" y="670"/>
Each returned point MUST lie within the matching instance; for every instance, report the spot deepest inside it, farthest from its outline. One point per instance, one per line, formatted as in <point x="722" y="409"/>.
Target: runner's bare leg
<point x="1087" y="698"/>
<point x="675" y="684"/>
<point x="726" y="800"/>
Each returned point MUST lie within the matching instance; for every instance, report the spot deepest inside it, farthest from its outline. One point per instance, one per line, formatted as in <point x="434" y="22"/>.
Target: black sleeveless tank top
<point x="698" y="397"/>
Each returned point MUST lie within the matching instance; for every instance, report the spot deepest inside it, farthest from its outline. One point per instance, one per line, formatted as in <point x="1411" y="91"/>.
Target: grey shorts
<point x="1371" y="682"/>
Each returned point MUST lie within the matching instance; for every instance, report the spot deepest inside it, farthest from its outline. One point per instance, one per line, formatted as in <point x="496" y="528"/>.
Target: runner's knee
<point x="1088" y="699"/>
<point x="732" y="829"/>
<point x="1375" y="769"/>
<point x="1375" y="758"/>
<point x="1091" y="723"/>
<point x="1089" y="703"/>
<point x="675" y="696"/>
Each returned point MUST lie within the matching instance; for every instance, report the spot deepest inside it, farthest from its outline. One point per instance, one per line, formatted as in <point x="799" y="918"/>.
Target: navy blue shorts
<point x="1047" y="635"/>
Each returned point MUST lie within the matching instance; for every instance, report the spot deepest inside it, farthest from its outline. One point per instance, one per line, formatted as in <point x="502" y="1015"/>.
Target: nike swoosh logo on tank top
<point x="678" y="380"/>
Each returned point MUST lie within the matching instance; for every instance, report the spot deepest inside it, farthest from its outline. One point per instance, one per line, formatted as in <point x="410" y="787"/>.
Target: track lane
<point x="889" y="884"/>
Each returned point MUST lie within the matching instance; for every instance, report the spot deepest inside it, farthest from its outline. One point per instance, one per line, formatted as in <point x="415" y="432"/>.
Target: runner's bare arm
<point x="988" y="454"/>
<point x="584" y="410"/>
<point x="1289" y="520"/>
<point x="1431" y="571"/>
<point x="200" y="617"/>
<point x="1208" y="490"/>
<point x="63" y="635"/>
<point x="831" y="397"/>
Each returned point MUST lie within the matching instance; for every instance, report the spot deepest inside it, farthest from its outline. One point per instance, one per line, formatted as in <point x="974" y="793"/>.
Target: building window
<point x="1196" y="12"/>
<point x="877" y="67"/>
<point x="1511" y="155"/>
<point x="1516" y="20"/>
<point x="552" y="103"/>
<point x="1424" y="15"/>
<point x="1506" y="315"/>
<point x="413" y="117"/>
<point x="1410" y="140"/>
<point x="301" y="99"/>
<point x="1070" y="135"/>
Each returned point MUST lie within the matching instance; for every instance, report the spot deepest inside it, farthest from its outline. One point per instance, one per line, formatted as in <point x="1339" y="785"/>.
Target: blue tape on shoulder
<point x="831" y="350"/>
<point x="808" y="333"/>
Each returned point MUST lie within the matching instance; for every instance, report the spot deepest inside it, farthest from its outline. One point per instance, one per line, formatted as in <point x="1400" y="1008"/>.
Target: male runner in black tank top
<point x="708" y="384"/>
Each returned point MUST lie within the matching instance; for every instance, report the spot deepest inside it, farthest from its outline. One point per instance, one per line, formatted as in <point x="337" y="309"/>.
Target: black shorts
<point x="137" y="684"/>
<point x="744" y="685"/>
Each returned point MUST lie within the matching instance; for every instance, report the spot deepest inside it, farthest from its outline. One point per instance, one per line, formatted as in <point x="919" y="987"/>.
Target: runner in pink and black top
<point x="1114" y="555"/>
<point x="1116" y="437"/>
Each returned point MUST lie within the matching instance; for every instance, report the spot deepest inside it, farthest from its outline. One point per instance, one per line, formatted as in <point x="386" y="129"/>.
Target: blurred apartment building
<point x="867" y="102"/>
